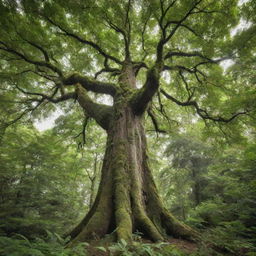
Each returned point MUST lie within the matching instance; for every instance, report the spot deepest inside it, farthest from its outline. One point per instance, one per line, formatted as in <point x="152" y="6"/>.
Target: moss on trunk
<point x="127" y="199"/>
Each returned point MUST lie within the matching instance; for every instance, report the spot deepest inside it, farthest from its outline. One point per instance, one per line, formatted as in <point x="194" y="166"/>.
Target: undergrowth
<point x="54" y="245"/>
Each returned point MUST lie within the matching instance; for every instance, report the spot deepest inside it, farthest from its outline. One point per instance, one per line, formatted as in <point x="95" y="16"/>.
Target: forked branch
<point x="51" y="98"/>
<point x="202" y="112"/>
<point x="5" y="47"/>
<point x="78" y="38"/>
<point x="141" y="99"/>
<point x="154" y="121"/>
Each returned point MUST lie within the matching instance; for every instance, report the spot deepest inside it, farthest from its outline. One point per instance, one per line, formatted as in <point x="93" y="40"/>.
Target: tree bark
<point x="127" y="199"/>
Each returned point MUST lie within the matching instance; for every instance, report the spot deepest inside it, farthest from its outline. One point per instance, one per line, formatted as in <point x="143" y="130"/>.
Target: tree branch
<point x="107" y="69"/>
<point x="48" y="65"/>
<point x="40" y="48"/>
<point x="141" y="99"/>
<point x="85" y="123"/>
<point x="179" y="23"/>
<point x="164" y="39"/>
<point x="20" y="116"/>
<point x="90" y="84"/>
<point x="100" y="112"/>
<point x="155" y="123"/>
<point x="163" y="14"/>
<point x="186" y="54"/>
<point x="84" y="41"/>
<point x="128" y="25"/>
<point x="202" y="112"/>
<point x="124" y="32"/>
<point x="71" y="95"/>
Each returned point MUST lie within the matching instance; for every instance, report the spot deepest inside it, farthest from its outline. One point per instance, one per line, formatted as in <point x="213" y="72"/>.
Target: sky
<point x="48" y="123"/>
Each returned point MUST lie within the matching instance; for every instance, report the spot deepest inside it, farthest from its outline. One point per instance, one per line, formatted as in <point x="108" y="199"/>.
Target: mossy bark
<point x="127" y="200"/>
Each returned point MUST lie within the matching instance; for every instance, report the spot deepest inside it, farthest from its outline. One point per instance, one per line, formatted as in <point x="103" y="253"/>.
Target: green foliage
<point x="52" y="245"/>
<point x="226" y="176"/>
<point x="40" y="188"/>
<point x="144" y="249"/>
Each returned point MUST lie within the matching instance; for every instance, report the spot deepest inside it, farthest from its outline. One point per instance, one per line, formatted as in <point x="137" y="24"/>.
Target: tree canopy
<point x="46" y="46"/>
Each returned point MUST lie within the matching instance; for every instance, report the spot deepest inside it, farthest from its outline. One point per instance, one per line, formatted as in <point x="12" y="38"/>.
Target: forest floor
<point x="184" y="246"/>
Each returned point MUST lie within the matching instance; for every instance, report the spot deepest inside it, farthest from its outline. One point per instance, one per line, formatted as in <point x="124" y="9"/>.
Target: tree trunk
<point x="127" y="199"/>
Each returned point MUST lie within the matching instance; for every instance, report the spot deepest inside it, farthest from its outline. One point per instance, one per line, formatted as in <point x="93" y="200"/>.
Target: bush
<point x="53" y="245"/>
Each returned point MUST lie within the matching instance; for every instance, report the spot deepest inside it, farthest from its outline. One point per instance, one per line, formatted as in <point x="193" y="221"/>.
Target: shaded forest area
<point x="153" y="149"/>
<point x="209" y="185"/>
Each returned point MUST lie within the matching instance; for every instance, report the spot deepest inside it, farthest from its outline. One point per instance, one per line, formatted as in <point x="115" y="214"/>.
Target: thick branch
<point x="201" y="112"/>
<point x="90" y="84"/>
<point x="145" y="94"/>
<point x="100" y="112"/>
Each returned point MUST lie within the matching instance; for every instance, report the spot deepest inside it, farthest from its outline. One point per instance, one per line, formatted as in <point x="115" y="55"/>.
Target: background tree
<point x="171" y="49"/>
<point x="41" y="186"/>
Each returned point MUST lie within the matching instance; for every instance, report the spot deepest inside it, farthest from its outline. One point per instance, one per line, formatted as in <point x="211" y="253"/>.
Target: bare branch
<point x="190" y="94"/>
<point x="40" y="48"/>
<point x="142" y="35"/>
<point x="20" y="116"/>
<point x="163" y="14"/>
<point x="161" y="109"/>
<point x="164" y="39"/>
<point x="107" y="69"/>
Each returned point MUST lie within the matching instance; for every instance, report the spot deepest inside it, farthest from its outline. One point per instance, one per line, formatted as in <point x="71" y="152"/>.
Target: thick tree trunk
<point x="127" y="199"/>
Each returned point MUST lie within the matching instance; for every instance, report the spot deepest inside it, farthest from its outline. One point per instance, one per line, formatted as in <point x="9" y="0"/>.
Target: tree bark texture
<point x="127" y="199"/>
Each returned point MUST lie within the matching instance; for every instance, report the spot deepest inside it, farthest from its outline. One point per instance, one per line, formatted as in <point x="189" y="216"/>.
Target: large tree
<point x="59" y="51"/>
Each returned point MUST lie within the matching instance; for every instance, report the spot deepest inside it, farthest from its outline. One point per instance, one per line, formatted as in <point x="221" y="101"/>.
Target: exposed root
<point x="145" y="225"/>
<point x="128" y="200"/>
<point x="178" y="229"/>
